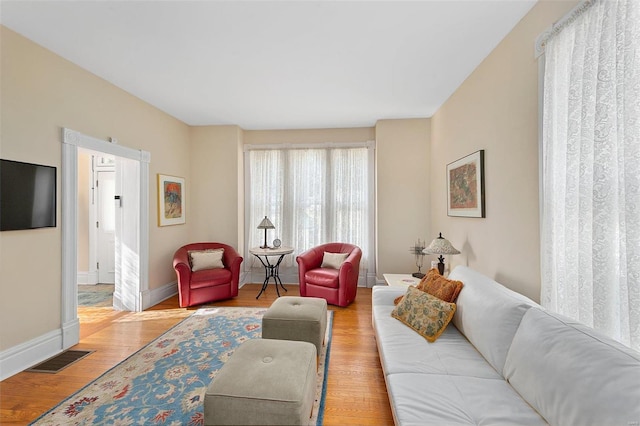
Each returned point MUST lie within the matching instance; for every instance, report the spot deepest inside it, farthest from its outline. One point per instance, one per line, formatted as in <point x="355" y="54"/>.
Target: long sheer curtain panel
<point x="591" y="170"/>
<point x="312" y="196"/>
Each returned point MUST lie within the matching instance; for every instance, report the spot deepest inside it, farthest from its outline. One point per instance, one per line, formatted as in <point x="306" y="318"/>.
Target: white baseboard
<point x="87" y="277"/>
<point x="70" y="333"/>
<point x="25" y="355"/>
<point x="245" y="276"/>
<point x="290" y="276"/>
<point x="157" y="295"/>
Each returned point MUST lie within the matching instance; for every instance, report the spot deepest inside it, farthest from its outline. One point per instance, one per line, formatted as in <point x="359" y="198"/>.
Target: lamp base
<point x="441" y="268"/>
<point x="264" y="247"/>
<point x="417" y="275"/>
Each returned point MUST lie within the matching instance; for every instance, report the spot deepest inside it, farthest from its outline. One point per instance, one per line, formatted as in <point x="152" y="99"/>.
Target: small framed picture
<point x="171" y="200"/>
<point x="465" y="186"/>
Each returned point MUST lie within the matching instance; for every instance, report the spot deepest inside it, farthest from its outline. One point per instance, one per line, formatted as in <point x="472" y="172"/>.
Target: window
<point x="591" y="169"/>
<point x="313" y="195"/>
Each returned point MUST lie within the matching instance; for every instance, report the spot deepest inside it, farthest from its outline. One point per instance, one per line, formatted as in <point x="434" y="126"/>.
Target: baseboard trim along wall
<point x="87" y="277"/>
<point x="157" y="295"/>
<point x="20" y="357"/>
<point x="27" y="354"/>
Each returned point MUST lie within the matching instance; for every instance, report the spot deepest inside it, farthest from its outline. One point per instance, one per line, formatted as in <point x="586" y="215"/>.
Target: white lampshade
<point x="266" y="224"/>
<point x="441" y="246"/>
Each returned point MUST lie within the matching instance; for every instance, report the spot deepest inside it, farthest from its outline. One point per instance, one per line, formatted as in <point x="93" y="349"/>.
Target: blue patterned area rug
<point x="165" y="382"/>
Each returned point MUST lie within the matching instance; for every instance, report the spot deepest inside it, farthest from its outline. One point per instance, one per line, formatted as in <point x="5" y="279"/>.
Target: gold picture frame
<point x="171" y="200"/>
<point x="465" y="186"/>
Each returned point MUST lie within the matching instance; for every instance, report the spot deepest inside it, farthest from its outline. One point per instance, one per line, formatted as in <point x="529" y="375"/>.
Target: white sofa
<point x="504" y="360"/>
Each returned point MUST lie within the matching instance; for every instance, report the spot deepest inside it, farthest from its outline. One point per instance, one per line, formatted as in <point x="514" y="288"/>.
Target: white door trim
<point x="71" y="142"/>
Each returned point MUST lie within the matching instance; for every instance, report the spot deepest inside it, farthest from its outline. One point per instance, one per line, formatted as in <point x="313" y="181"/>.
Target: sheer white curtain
<point x="313" y="195"/>
<point x="591" y="170"/>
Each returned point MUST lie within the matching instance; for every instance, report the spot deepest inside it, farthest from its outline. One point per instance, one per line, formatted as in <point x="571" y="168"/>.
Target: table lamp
<point x="265" y="224"/>
<point x="441" y="246"/>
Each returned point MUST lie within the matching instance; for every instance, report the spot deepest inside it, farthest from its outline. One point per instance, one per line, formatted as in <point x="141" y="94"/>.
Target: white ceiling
<point x="275" y="64"/>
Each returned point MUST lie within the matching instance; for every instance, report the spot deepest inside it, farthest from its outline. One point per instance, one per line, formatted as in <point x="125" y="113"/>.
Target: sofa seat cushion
<point x="323" y="277"/>
<point x="572" y="374"/>
<point x="210" y="277"/>
<point x="433" y="399"/>
<point x="450" y="354"/>
<point x="488" y="314"/>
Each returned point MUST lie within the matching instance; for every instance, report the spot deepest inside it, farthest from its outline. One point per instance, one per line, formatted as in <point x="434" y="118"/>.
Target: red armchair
<point x="336" y="286"/>
<point x="208" y="285"/>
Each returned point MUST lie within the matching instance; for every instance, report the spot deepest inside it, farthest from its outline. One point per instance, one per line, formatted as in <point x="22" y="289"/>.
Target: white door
<point x="106" y="227"/>
<point x="127" y="224"/>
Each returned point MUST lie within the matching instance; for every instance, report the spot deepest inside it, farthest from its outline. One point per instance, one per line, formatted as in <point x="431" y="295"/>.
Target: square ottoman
<point x="266" y="382"/>
<point x="296" y="318"/>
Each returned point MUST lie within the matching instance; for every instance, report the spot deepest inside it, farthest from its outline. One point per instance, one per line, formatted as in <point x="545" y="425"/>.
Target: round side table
<point x="271" y="269"/>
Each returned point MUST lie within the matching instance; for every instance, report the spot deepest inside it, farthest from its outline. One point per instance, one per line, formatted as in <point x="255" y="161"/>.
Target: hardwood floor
<point x="356" y="393"/>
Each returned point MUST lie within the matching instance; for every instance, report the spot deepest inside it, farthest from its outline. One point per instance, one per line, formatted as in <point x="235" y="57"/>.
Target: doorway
<point x="131" y="231"/>
<point x="96" y="229"/>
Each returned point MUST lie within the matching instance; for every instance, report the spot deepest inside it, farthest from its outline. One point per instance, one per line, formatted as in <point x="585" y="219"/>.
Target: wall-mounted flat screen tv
<point x="27" y="196"/>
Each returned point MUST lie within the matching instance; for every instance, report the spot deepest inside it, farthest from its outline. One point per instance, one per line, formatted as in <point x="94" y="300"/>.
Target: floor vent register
<point x="59" y="362"/>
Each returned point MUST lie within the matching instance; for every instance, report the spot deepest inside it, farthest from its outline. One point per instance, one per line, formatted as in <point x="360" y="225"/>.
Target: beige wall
<point x="216" y="177"/>
<point x="41" y="93"/>
<point x="402" y="192"/>
<point x="496" y="109"/>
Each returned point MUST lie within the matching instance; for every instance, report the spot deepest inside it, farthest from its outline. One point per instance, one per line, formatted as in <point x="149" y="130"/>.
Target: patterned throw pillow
<point x="424" y="313"/>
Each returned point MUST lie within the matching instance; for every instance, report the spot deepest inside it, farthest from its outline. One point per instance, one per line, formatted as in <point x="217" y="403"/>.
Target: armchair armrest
<point x="183" y="272"/>
<point x="307" y="260"/>
<point x="350" y="268"/>
<point x="181" y="265"/>
<point x="232" y="261"/>
<point x="310" y="259"/>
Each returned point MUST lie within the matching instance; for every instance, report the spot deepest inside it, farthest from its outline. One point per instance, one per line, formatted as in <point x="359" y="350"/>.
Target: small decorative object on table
<point x="417" y="250"/>
<point x="277" y="243"/>
<point x="441" y="246"/>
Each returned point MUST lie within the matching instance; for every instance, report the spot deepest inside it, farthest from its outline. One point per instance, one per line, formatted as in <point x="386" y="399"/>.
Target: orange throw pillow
<point x="431" y="275"/>
<point x="442" y="288"/>
<point x="438" y="286"/>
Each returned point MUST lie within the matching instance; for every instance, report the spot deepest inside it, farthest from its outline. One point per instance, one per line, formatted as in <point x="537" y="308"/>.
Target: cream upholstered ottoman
<point x="296" y="318"/>
<point x="266" y="382"/>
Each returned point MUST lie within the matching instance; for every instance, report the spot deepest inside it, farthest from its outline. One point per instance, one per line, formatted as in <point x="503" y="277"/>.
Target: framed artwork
<point x="465" y="186"/>
<point x="171" y="200"/>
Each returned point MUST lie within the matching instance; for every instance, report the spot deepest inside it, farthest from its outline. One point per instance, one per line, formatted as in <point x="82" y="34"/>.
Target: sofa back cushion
<point x="488" y="314"/>
<point x="571" y="374"/>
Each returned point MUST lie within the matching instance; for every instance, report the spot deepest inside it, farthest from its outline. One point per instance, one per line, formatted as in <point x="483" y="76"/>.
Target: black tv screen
<point x="27" y="196"/>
